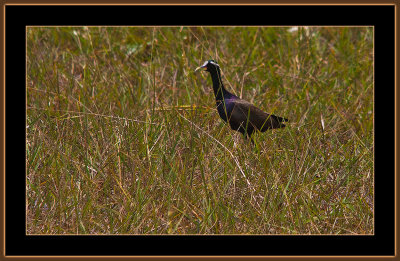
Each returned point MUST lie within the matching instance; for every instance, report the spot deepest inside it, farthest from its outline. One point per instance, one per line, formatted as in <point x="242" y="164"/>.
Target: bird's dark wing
<point x="258" y="119"/>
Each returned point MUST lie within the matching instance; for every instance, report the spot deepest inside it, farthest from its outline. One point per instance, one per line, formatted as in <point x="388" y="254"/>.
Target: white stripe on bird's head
<point x="213" y="62"/>
<point x="205" y="64"/>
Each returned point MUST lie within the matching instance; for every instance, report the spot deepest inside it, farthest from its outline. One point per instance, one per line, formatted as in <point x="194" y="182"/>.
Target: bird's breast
<point x="224" y="108"/>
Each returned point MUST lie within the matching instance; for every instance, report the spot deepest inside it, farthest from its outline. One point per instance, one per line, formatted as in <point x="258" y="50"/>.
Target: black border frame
<point x="382" y="17"/>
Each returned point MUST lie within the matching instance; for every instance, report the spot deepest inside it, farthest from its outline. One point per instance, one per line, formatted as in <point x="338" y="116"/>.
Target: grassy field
<point x="124" y="138"/>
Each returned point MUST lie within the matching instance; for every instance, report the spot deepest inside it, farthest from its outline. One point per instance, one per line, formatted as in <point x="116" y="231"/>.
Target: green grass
<point x="124" y="138"/>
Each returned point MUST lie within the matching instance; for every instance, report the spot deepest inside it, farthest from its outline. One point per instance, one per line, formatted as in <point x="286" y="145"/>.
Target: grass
<point x="124" y="138"/>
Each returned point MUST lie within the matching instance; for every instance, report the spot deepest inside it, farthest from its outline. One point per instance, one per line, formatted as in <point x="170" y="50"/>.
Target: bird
<point x="241" y="115"/>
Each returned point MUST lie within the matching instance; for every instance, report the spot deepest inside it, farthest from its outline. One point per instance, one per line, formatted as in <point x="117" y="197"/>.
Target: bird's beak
<point x="200" y="67"/>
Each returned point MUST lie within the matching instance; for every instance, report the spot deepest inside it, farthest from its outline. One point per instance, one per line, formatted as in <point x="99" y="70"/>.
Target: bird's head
<point x="208" y="66"/>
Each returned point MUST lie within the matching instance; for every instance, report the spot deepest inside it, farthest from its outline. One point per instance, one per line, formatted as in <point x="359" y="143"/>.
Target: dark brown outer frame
<point x="178" y="2"/>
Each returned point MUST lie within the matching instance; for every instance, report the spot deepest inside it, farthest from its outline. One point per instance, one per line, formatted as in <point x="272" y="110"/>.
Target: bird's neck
<point x="219" y="89"/>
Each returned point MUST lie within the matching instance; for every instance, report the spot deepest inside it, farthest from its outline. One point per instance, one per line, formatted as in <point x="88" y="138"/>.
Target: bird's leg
<point x="251" y="139"/>
<point x="246" y="134"/>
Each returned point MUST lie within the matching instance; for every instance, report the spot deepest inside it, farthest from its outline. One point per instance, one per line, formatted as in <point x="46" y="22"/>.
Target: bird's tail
<point x="280" y="120"/>
<point x="274" y="122"/>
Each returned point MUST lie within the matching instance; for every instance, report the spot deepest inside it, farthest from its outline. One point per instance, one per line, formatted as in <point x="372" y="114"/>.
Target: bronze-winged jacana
<point x="241" y="115"/>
